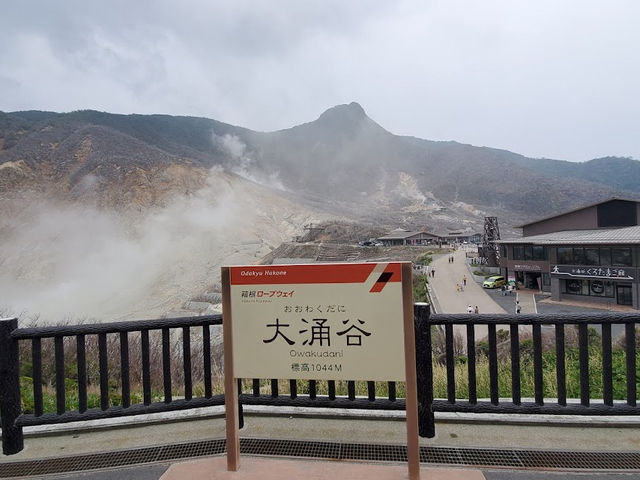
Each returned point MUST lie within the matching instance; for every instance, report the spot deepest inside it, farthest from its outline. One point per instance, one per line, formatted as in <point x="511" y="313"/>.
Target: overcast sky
<point x="545" y="78"/>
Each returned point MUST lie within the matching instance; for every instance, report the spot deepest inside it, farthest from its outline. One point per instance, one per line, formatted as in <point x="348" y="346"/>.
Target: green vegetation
<point x="420" y="293"/>
<point x="381" y="388"/>
<point x="550" y="386"/>
<point x="420" y="288"/>
<point x="93" y="394"/>
<point x="424" y="259"/>
<point x="113" y="355"/>
<point x="480" y="273"/>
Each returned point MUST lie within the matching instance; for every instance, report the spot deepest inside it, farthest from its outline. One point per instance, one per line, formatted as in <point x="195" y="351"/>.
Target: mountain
<point x="131" y="216"/>
<point x="616" y="172"/>
<point x="346" y="156"/>
<point x="343" y="161"/>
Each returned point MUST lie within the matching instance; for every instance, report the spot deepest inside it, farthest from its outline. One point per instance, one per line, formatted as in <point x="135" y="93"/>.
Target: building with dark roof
<point x="591" y="254"/>
<point x="461" y="237"/>
<point x="407" y="237"/>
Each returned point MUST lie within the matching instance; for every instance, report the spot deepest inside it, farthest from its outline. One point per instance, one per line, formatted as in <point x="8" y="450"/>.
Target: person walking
<point x="475" y="310"/>
<point x="470" y="309"/>
<point x="517" y="306"/>
<point x="464" y="280"/>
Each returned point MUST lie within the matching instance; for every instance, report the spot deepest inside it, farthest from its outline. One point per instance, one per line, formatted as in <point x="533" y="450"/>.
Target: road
<point x="443" y="286"/>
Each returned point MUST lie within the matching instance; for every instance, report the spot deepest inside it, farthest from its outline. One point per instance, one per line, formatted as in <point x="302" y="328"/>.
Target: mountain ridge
<point x="131" y="216"/>
<point x="343" y="155"/>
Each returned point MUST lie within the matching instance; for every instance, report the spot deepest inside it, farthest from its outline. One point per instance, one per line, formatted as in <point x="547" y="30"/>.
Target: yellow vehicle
<point x="493" y="282"/>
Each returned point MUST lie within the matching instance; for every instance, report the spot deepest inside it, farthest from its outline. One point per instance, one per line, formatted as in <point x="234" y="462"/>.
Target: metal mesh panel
<point x="289" y="448"/>
<point x="379" y="453"/>
<point x="195" y="449"/>
<point x="477" y="457"/>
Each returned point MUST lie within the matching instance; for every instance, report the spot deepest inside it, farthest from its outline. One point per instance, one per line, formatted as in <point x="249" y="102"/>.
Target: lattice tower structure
<point x="489" y="245"/>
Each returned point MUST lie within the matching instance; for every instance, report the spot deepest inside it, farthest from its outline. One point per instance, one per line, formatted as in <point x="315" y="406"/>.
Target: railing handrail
<point x="621" y="318"/>
<point x="114" y="327"/>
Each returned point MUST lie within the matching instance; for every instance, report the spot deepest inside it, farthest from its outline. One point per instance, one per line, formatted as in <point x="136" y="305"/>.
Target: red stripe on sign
<point x="385" y="277"/>
<point x="313" y="273"/>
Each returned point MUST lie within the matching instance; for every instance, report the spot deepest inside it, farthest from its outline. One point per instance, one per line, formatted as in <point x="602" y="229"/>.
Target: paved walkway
<point x="449" y="300"/>
<point x="272" y="469"/>
<point x="508" y="302"/>
<point x="443" y="286"/>
<point x="62" y="440"/>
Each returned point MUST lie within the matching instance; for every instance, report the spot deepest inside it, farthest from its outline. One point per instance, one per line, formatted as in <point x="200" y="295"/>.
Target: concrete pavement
<point x="275" y="469"/>
<point x="450" y="300"/>
<point x="452" y="431"/>
<point x="456" y="430"/>
<point x="443" y="286"/>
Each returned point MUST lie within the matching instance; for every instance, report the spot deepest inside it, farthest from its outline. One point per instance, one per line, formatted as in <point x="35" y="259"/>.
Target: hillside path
<point x="443" y="286"/>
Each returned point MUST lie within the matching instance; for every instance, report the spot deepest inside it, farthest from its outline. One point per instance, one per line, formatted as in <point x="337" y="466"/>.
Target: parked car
<point x="493" y="282"/>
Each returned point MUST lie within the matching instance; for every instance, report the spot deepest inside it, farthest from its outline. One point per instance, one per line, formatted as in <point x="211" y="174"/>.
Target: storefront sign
<point x="527" y="268"/>
<point x="615" y="273"/>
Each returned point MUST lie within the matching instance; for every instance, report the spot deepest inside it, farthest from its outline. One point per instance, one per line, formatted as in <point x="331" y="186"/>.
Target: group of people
<point x="507" y="289"/>
<point x="471" y="309"/>
<point x="450" y="258"/>
<point x="460" y="286"/>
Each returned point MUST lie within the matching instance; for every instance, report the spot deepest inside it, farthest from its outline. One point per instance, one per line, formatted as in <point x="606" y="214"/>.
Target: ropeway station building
<point x="589" y="254"/>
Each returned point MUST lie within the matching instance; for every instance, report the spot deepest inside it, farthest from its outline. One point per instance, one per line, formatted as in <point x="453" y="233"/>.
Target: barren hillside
<point x="131" y="216"/>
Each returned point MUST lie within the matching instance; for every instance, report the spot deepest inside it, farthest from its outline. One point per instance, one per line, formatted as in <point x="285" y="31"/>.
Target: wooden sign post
<point x="343" y="321"/>
<point x="230" y="385"/>
<point x="411" y="400"/>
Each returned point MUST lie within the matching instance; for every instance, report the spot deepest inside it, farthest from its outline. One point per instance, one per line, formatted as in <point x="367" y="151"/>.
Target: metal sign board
<point x="318" y="321"/>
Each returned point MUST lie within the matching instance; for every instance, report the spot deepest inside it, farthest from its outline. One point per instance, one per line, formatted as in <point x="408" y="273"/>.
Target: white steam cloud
<point x="243" y="165"/>
<point x="62" y="261"/>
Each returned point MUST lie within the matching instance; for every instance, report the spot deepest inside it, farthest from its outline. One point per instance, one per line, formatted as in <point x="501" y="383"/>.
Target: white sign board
<point x="318" y="321"/>
<point x="347" y="321"/>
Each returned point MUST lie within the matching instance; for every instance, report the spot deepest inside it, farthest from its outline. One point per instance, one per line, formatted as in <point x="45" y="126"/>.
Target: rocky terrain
<point x="130" y="216"/>
<point x="71" y="261"/>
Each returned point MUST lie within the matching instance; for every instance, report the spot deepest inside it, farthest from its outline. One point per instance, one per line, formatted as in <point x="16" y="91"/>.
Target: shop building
<point x="407" y="237"/>
<point x="591" y="254"/>
<point x="460" y="237"/>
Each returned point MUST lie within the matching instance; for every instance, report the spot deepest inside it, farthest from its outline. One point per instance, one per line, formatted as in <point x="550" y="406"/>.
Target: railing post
<point x="12" y="440"/>
<point x="240" y="412"/>
<point x="424" y="370"/>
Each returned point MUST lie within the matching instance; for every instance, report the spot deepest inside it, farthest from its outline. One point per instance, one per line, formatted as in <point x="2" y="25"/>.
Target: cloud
<point x="543" y="79"/>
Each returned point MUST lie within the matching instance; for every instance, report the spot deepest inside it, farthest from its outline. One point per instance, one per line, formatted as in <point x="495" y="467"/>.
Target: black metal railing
<point x="330" y="400"/>
<point x="13" y="419"/>
<point x="441" y="340"/>
<point x="555" y="327"/>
